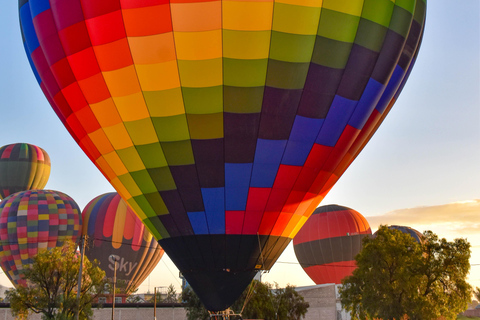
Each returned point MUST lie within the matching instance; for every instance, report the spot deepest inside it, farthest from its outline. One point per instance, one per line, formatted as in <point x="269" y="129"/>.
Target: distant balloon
<point x="114" y="229"/>
<point x="31" y="221"/>
<point x="23" y="167"/>
<point x="328" y="242"/>
<point x="223" y="124"/>
<point x="417" y="235"/>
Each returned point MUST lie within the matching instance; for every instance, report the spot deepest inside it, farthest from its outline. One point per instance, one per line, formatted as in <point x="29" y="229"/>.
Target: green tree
<point x="171" y="295"/>
<point x="52" y="285"/>
<point x="264" y="301"/>
<point x="291" y="305"/>
<point x="476" y="294"/>
<point x="261" y="302"/>
<point x="193" y="305"/>
<point x="398" y="276"/>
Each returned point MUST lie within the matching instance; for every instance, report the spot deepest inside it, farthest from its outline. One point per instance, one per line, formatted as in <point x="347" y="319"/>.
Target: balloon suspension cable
<point x="249" y="295"/>
<point x="261" y="251"/>
<point x="253" y="284"/>
<point x="227" y="314"/>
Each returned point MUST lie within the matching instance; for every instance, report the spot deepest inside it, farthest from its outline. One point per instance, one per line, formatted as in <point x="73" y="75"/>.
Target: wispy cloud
<point x="458" y="218"/>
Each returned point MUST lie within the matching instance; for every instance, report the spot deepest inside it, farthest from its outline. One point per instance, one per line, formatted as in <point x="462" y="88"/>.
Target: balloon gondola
<point x="223" y="124"/>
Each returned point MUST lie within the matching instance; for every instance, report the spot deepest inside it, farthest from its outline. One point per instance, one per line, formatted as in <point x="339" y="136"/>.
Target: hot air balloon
<point x="23" y="167"/>
<point x="114" y="229"/>
<point x="31" y="221"/>
<point x="417" y="235"/>
<point x="222" y="123"/>
<point x="328" y="242"/>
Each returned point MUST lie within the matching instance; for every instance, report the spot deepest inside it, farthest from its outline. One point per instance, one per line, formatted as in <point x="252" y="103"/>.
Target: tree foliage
<point x="171" y="295"/>
<point x="264" y="301"/>
<point x="193" y="305"/>
<point x="52" y="285"/>
<point x="398" y="276"/>
<point x="476" y="294"/>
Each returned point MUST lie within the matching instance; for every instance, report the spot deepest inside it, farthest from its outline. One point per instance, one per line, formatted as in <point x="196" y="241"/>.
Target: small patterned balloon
<point x="31" y="221"/>
<point x="23" y="167"/>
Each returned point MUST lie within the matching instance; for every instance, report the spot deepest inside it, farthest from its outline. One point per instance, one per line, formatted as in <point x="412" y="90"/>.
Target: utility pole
<point x="114" y="258"/>
<point x="80" y="273"/>
<point x="155" y="303"/>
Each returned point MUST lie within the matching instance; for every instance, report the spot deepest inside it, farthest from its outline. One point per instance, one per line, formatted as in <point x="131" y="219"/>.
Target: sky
<point x="420" y="169"/>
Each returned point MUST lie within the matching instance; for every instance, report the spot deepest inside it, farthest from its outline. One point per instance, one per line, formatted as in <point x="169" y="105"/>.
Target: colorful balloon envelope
<point x="417" y="235"/>
<point x="115" y="233"/>
<point x="31" y="221"/>
<point x="328" y="242"/>
<point x="222" y="123"/>
<point x="23" y="167"/>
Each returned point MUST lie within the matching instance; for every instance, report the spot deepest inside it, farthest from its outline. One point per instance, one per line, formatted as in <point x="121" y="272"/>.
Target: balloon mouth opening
<point x="218" y="290"/>
<point x="219" y="267"/>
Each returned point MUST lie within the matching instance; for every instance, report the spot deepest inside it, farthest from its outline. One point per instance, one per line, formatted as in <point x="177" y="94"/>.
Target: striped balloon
<point x="328" y="242"/>
<point x="23" y="167"/>
<point x="31" y="221"/>
<point x="114" y="229"/>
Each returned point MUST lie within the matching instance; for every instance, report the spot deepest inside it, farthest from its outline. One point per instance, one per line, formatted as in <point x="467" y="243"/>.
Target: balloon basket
<point x="225" y="315"/>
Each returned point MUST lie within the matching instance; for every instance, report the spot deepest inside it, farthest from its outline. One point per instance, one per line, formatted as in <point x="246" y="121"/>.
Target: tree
<point x="52" y="285"/>
<point x="398" y="276"/>
<point x="476" y="293"/>
<point x="171" y="295"/>
<point x="263" y="302"/>
<point x="193" y="305"/>
<point x="291" y="305"/>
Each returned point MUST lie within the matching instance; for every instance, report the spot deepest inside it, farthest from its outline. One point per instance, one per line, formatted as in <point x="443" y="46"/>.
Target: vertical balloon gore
<point x="22" y="167"/>
<point x="222" y="123"/>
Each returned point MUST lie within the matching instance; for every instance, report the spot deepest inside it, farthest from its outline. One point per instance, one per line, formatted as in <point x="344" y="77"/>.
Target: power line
<point x="90" y="239"/>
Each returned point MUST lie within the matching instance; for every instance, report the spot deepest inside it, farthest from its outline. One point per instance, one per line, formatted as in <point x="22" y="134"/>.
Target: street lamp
<point x="114" y="258"/>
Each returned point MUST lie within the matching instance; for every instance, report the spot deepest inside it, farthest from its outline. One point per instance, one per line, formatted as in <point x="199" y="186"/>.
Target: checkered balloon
<point x="31" y="221"/>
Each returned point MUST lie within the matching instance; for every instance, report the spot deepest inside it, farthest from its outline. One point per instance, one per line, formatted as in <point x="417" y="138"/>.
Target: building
<point x="324" y="302"/>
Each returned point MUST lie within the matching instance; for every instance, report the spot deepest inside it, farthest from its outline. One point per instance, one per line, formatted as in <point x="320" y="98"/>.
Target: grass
<point x="466" y="318"/>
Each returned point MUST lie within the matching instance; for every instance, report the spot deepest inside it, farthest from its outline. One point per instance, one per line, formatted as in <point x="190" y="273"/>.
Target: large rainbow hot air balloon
<point x="31" y="221"/>
<point x="114" y="229"/>
<point x="222" y="123"/>
<point x="328" y="242"/>
<point x="23" y="167"/>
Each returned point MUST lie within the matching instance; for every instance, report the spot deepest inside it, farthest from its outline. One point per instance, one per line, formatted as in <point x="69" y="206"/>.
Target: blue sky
<point x="425" y="158"/>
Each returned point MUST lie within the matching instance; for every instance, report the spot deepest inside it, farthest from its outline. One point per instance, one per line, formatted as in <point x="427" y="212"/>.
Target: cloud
<point x="460" y="218"/>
